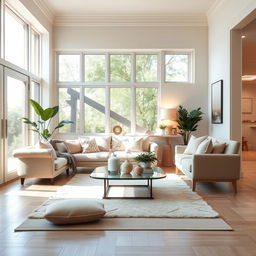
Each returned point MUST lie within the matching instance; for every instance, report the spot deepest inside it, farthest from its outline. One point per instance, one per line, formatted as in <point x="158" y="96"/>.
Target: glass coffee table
<point x="102" y="173"/>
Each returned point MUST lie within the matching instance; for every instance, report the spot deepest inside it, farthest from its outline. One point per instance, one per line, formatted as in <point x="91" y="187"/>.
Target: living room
<point x="122" y="74"/>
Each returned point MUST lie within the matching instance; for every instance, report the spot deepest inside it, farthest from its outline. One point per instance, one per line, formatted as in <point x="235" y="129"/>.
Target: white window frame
<point x="191" y="65"/>
<point x="107" y="84"/>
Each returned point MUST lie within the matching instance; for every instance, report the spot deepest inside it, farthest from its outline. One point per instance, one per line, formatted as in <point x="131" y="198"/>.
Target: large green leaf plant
<point x="188" y="122"/>
<point x="45" y="116"/>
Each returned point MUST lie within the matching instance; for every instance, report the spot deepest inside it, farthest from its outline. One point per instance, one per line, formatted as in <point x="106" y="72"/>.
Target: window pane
<point x="95" y="68"/>
<point x="176" y="68"/>
<point x="120" y="68"/>
<point x="35" y="52"/>
<point x="69" y="102"/>
<point x="35" y="95"/>
<point x="146" y="68"/>
<point x="15" y="111"/>
<point x="69" y="68"/>
<point x="15" y="39"/>
<point x="146" y="109"/>
<point x="120" y="105"/>
<point x="95" y="110"/>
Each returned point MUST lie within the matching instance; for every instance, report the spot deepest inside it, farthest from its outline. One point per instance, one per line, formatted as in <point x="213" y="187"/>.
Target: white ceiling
<point x="127" y="7"/>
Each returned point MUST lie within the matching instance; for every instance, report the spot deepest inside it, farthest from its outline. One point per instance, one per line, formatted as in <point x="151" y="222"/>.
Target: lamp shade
<point x="168" y="114"/>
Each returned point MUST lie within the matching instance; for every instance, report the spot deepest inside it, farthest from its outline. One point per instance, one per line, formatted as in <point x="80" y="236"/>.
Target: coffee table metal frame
<point x="103" y="174"/>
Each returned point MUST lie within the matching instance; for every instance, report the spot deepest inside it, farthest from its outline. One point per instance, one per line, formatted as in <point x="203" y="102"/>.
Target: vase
<point x="126" y="167"/>
<point x="162" y="132"/>
<point x="145" y="164"/>
<point x="138" y="170"/>
<point x="113" y="164"/>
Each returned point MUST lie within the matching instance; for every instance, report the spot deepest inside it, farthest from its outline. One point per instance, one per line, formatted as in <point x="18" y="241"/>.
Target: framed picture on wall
<point x="217" y="102"/>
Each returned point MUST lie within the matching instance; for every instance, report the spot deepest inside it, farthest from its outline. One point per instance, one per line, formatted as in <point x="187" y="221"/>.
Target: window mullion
<point x="82" y="110"/>
<point x="133" y="110"/>
<point x="107" y="109"/>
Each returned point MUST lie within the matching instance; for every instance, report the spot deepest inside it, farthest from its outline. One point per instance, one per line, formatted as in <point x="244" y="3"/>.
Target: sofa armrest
<point x="30" y="152"/>
<point x="216" y="166"/>
<point x="179" y="149"/>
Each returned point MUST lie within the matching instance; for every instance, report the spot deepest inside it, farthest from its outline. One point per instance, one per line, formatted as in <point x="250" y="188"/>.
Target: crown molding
<point x="130" y="20"/>
<point x="214" y="7"/>
<point x="45" y="9"/>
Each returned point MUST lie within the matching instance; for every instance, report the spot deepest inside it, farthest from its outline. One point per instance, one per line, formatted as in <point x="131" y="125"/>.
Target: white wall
<point x="190" y="95"/>
<point x="221" y="20"/>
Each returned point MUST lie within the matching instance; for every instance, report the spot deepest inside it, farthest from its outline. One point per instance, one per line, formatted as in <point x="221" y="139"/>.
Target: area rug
<point x="174" y="207"/>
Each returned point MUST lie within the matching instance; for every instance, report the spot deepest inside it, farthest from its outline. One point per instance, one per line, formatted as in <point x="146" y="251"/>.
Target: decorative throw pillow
<point x="118" y="143"/>
<point x="48" y="145"/>
<point x="193" y="144"/>
<point x="103" y="143"/>
<point x="88" y="145"/>
<point x="145" y="143"/>
<point x="205" y="147"/>
<point x="60" y="146"/>
<point x="133" y="144"/>
<point x="73" y="146"/>
<point x="71" y="211"/>
<point x="219" y="148"/>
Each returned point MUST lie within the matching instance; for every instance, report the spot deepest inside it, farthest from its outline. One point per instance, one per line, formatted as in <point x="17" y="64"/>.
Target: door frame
<point x="7" y="176"/>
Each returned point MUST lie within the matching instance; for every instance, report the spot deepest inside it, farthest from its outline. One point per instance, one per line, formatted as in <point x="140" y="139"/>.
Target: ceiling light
<point x="249" y="77"/>
<point x="243" y="36"/>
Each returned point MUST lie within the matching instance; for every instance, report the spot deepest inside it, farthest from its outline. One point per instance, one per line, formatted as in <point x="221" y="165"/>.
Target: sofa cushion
<point x="118" y="143"/>
<point x="73" y="146"/>
<point x="103" y="142"/>
<point x="122" y="155"/>
<point x="71" y="211"/>
<point x="205" y="147"/>
<point x="232" y="147"/>
<point x="186" y="164"/>
<point x="133" y="144"/>
<point x="193" y="144"/>
<point x="60" y="162"/>
<point x="180" y="157"/>
<point x="218" y="148"/>
<point x="88" y="145"/>
<point x="88" y="157"/>
<point x="60" y="146"/>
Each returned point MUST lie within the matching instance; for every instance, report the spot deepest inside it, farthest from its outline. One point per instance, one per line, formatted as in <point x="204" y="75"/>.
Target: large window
<point x="15" y="39"/>
<point x="115" y="88"/>
<point x="178" y="67"/>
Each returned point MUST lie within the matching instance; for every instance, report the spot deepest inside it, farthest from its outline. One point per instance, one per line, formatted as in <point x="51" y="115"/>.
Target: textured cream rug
<point x="174" y="207"/>
<point x="172" y="198"/>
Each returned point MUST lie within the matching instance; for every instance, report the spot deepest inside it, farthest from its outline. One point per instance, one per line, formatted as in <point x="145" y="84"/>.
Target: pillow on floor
<point x="205" y="147"/>
<point x="72" y="211"/>
<point x="193" y="144"/>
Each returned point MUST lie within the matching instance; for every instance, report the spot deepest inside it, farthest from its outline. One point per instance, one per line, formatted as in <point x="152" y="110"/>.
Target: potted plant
<point x="146" y="159"/>
<point x="188" y="122"/>
<point x="162" y="127"/>
<point x="42" y="126"/>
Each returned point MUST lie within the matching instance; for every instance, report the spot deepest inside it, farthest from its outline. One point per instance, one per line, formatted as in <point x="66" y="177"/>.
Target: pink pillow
<point x="73" y="146"/>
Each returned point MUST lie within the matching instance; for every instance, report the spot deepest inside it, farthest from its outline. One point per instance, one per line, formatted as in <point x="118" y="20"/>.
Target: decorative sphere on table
<point x="138" y="170"/>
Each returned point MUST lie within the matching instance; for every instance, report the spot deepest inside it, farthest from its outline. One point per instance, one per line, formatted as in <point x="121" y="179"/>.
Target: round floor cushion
<point x="71" y="211"/>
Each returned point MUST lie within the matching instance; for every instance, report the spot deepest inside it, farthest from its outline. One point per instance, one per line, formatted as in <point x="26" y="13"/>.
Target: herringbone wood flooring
<point x="238" y="210"/>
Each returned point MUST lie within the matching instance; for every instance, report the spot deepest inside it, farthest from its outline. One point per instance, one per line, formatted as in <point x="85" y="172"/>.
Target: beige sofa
<point x="210" y="167"/>
<point x="40" y="163"/>
<point x="35" y="162"/>
<point x="101" y="158"/>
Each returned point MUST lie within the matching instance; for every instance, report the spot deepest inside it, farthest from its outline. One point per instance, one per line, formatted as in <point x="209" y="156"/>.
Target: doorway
<point x="249" y="91"/>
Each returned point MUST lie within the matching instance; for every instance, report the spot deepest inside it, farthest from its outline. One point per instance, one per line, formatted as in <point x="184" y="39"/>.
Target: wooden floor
<point x="238" y="210"/>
